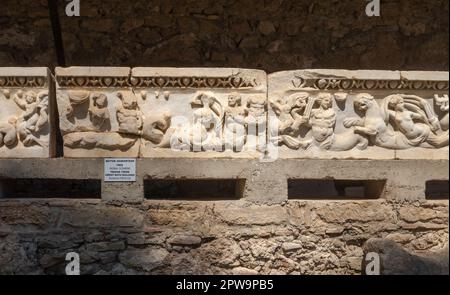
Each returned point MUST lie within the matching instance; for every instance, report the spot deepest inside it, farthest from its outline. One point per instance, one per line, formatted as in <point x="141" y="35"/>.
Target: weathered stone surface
<point x="111" y="218"/>
<point x="16" y="259"/>
<point x="27" y="105"/>
<point x="289" y="247"/>
<point x="185" y="240"/>
<point x="242" y="271"/>
<point x="144" y="260"/>
<point x="265" y="215"/>
<point x="106" y="246"/>
<point x="397" y="261"/>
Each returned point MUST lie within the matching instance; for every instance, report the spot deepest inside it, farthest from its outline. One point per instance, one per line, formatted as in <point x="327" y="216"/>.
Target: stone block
<point x="358" y="114"/>
<point x="27" y="106"/>
<point x="201" y="112"/>
<point x="98" y="112"/>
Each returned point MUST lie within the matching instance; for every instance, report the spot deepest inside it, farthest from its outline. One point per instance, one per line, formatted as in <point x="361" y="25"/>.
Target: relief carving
<point x="33" y="118"/>
<point x="315" y="112"/>
<point x="98" y="121"/>
<point x="157" y="111"/>
<point x="204" y="133"/>
<point x="224" y="113"/>
<point x="24" y="114"/>
<point x="128" y="115"/>
<point x="235" y="123"/>
<point x="8" y="133"/>
<point x="98" y="112"/>
<point x="399" y="122"/>
<point x="152" y="112"/>
<point x="213" y="126"/>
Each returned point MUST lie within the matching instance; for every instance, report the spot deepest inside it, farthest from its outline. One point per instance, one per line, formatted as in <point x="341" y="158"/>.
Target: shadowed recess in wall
<point x="50" y="188"/>
<point x="436" y="190"/>
<point x="194" y="189"/>
<point x="335" y="189"/>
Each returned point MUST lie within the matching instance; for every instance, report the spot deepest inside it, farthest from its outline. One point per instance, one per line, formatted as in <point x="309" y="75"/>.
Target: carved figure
<point x="8" y="133"/>
<point x="323" y="120"/>
<point x="34" y="117"/>
<point x="155" y="127"/>
<point x="298" y="111"/>
<point x="234" y="129"/>
<point x="443" y="103"/>
<point x="292" y="114"/>
<point x="98" y="111"/>
<point x="413" y="122"/>
<point x="256" y="123"/>
<point x="204" y="132"/>
<point x="128" y="115"/>
<point x="290" y="111"/>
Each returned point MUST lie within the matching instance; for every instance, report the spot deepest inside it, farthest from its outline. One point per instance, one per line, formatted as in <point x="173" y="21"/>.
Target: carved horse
<point x="375" y="123"/>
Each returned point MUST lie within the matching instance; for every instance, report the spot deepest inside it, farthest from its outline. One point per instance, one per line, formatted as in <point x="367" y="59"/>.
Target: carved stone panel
<point x="200" y="112"/>
<point x="98" y="112"/>
<point x="26" y="113"/>
<point x="358" y="114"/>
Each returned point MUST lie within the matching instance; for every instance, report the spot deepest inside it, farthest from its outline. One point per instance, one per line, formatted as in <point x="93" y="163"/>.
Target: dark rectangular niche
<point x="194" y="189"/>
<point x="335" y="189"/>
<point x="436" y="190"/>
<point x="33" y="188"/>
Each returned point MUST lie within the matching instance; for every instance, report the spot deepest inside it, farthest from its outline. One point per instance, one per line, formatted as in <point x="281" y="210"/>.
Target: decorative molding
<point x="366" y="84"/>
<point x="22" y="81"/>
<point x="93" y="81"/>
<point x="157" y="82"/>
<point x="194" y="82"/>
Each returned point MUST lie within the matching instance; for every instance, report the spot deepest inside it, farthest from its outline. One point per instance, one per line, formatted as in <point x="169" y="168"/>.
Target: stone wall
<point x="264" y="232"/>
<point x="315" y="237"/>
<point x="270" y="35"/>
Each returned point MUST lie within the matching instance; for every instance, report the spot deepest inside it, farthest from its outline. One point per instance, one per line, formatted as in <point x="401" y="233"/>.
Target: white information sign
<point x="120" y="170"/>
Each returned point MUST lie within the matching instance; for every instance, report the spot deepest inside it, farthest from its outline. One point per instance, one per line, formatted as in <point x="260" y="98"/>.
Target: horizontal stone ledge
<point x="393" y="170"/>
<point x="257" y="182"/>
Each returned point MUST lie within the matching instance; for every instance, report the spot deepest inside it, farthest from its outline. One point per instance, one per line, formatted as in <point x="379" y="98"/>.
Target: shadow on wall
<point x="271" y="35"/>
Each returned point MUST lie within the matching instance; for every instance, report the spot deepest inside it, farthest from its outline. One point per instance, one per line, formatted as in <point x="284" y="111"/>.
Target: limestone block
<point x="201" y="112"/>
<point x="98" y="112"/>
<point x="26" y="113"/>
<point x="358" y="114"/>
